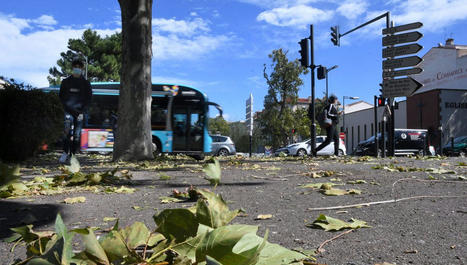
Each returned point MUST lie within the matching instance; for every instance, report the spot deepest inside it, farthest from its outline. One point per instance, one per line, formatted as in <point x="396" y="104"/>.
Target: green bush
<point x="28" y="119"/>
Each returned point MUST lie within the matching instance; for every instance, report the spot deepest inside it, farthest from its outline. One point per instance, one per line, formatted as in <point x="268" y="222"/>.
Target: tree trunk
<point x="133" y="139"/>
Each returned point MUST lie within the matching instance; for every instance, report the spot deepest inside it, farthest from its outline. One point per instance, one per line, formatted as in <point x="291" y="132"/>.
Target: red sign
<point x="342" y="135"/>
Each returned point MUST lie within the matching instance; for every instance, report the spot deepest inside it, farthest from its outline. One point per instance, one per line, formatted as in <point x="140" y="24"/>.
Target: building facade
<point x="441" y="105"/>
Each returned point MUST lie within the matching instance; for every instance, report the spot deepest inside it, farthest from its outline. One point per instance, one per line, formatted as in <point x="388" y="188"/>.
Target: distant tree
<point x="219" y="125"/>
<point x="277" y="120"/>
<point x="104" y="57"/>
<point x="133" y="137"/>
<point x="239" y="135"/>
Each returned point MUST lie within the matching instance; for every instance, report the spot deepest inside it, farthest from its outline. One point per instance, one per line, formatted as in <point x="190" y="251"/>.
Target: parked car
<point x="304" y="148"/>
<point x="222" y="145"/>
<point x="407" y="142"/>
<point x="460" y="147"/>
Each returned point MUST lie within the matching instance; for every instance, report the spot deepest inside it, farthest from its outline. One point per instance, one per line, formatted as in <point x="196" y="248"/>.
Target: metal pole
<point x="343" y="122"/>
<point x="327" y="84"/>
<point x="383" y="135"/>
<point x="251" y="140"/>
<point x="312" y="66"/>
<point x="86" y="66"/>
<point x="376" y="126"/>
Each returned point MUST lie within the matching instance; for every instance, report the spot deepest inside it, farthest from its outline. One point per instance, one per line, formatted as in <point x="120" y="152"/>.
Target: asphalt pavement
<point x="430" y="229"/>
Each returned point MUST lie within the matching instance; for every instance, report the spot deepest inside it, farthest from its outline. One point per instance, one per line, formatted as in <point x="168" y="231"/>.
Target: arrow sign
<point x="400" y="28"/>
<point x="403" y="87"/>
<point x="401" y="62"/>
<point x="411" y="71"/>
<point x="401" y="50"/>
<point x="401" y="38"/>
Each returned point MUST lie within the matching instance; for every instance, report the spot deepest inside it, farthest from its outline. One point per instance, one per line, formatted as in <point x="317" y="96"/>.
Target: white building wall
<point x="360" y="124"/>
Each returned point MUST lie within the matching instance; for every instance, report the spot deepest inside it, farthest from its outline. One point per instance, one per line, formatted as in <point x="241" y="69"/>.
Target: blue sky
<point x="220" y="46"/>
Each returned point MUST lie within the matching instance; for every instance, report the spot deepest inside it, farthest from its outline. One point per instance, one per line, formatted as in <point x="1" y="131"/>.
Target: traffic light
<point x="381" y="101"/>
<point x="293" y="131"/>
<point x="335" y="36"/>
<point x="322" y="72"/>
<point x="304" y="52"/>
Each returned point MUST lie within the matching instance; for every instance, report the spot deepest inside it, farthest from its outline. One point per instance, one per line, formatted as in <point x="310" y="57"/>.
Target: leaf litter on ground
<point x="74" y="200"/>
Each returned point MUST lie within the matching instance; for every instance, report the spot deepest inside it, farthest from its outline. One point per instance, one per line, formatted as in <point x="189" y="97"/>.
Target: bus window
<point x="159" y="114"/>
<point x="101" y="110"/>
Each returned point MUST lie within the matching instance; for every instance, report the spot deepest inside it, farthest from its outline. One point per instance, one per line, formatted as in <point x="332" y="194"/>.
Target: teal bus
<point x="179" y="119"/>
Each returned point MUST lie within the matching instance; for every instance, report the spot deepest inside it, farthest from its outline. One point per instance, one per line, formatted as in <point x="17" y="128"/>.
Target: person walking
<point x="332" y="114"/>
<point x="75" y="95"/>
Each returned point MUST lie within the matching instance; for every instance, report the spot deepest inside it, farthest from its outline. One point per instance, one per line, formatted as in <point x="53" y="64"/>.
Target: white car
<point x="304" y="148"/>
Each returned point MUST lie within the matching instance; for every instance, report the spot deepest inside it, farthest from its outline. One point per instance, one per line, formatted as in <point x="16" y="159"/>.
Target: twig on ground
<point x="320" y="248"/>
<point x="420" y="180"/>
<point x="383" y="202"/>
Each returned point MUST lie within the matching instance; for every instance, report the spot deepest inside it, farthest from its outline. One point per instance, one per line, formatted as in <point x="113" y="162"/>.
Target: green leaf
<point x="212" y="210"/>
<point x="329" y="224"/>
<point x="40" y="261"/>
<point x="213" y="171"/>
<point x="188" y="248"/>
<point x="136" y="235"/>
<point x="212" y="261"/>
<point x="273" y="254"/>
<point x="177" y="223"/>
<point x="219" y="244"/>
<point x="93" y="249"/>
<point x="114" y="246"/>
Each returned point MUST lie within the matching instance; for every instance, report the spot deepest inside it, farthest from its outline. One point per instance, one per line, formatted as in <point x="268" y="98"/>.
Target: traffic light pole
<point x="376" y="127"/>
<point x="312" y="105"/>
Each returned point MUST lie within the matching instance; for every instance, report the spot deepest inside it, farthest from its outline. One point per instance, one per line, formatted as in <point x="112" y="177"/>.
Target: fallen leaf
<point x="109" y="219"/>
<point x="319" y="185"/>
<point x="328" y="223"/>
<point x="358" y="181"/>
<point x="411" y="251"/>
<point x="335" y="192"/>
<point x="138" y="208"/>
<point x="74" y="166"/>
<point x="165" y="199"/>
<point x="122" y="189"/>
<point x="74" y="200"/>
<point x="263" y="217"/>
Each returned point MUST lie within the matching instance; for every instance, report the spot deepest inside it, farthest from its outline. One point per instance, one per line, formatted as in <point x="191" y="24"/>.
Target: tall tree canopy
<point x="133" y="137"/>
<point x="104" y="56"/>
<point x="219" y="125"/>
<point x="277" y="119"/>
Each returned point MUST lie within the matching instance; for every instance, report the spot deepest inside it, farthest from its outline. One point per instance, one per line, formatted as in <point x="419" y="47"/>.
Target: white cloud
<point x="178" y="48"/>
<point x="28" y="56"/>
<point x="45" y="20"/>
<point x="434" y="14"/>
<point x="299" y="15"/>
<point x="174" y="80"/>
<point x="184" y="39"/>
<point x="277" y="3"/>
<point x="183" y="27"/>
<point x="351" y="9"/>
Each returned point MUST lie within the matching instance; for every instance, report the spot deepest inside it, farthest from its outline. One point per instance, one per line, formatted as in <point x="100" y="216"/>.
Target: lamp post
<point x="343" y="116"/>
<point x="327" y="71"/>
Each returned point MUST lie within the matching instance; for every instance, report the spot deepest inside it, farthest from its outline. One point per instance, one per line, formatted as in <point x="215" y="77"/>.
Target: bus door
<point x="188" y="125"/>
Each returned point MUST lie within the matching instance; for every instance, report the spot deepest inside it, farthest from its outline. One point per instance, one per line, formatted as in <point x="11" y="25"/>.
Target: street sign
<point x="401" y="50"/>
<point x="403" y="87"/>
<point x="401" y="38"/>
<point x="400" y="28"/>
<point x="411" y="71"/>
<point x="401" y="62"/>
<point x="249" y="114"/>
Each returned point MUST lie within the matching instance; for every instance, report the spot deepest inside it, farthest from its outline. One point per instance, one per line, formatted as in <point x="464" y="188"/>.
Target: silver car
<point x="304" y="148"/>
<point x="222" y="145"/>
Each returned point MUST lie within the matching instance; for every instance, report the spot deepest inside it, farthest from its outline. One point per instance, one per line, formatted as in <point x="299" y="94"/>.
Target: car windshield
<point x="460" y="139"/>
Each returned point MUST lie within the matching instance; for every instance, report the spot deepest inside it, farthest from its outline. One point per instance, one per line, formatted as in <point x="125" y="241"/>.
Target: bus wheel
<point x="157" y="147"/>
